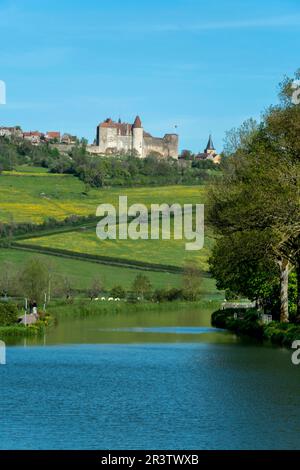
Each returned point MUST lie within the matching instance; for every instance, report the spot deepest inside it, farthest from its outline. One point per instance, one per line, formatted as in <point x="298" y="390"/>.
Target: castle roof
<point x="137" y="123"/>
<point x="108" y="123"/>
<point x="124" y="128"/>
<point x="210" y="145"/>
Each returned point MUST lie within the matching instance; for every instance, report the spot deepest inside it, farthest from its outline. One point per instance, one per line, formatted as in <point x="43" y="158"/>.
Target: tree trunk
<point x="284" y="286"/>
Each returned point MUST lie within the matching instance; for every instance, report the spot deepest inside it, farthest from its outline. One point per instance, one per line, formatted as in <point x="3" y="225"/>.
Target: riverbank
<point x="20" y="330"/>
<point x="249" y="324"/>
<point x="84" y="308"/>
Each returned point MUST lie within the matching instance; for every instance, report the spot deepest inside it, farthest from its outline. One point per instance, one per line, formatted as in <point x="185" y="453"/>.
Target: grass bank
<point x="84" y="308"/>
<point x="281" y="334"/>
<point x="38" y="328"/>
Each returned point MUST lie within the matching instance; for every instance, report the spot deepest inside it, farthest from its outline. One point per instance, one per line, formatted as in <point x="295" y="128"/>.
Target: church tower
<point x="138" y="137"/>
<point x="210" y="149"/>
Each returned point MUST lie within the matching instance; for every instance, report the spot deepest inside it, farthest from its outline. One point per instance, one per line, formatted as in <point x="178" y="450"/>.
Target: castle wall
<point x="124" y="143"/>
<point x="110" y="141"/>
<point x="138" y="141"/>
<point x="166" y="146"/>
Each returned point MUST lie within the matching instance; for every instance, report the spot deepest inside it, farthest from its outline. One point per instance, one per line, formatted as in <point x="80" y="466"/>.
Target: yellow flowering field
<point x="35" y="197"/>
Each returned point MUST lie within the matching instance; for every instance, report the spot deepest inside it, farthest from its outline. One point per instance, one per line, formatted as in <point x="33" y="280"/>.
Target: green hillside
<point x="31" y="194"/>
<point x="35" y="196"/>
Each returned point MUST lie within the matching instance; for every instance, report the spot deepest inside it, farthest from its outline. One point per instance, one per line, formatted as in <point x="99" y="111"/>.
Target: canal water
<point x="148" y="381"/>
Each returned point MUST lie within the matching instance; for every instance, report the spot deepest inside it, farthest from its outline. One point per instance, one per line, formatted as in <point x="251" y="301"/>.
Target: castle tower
<point x="138" y="137"/>
<point x="210" y="149"/>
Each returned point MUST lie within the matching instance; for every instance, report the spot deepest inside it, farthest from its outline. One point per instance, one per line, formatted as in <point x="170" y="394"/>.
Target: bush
<point x="175" y="294"/>
<point x="164" y="295"/>
<point x="8" y="314"/>
<point x="160" y="295"/>
<point x="247" y="325"/>
<point x="118" y="292"/>
<point x="282" y="334"/>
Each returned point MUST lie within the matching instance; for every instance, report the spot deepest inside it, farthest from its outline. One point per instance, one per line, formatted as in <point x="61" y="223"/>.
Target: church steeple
<point x="210" y="145"/>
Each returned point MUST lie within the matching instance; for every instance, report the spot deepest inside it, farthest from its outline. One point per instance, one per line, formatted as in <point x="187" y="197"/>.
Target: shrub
<point x="118" y="292"/>
<point x="247" y="325"/>
<point x="160" y="295"/>
<point x="175" y="294"/>
<point x="8" y="314"/>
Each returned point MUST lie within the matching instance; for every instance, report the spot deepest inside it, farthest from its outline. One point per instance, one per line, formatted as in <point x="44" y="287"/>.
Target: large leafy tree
<point x="261" y="189"/>
<point x="240" y="263"/>
<point x="34" y="280"/>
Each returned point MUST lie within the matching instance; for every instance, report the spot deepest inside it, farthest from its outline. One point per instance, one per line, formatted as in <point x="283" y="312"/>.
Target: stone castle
<point x="121" y="137"/>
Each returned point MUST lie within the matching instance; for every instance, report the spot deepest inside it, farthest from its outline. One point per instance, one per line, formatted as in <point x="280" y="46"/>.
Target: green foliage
<point x="240" y="263"/>
<point x="8" y="314"/>
<point x="247" y="322"/>
<point x="18" y="151"/>
<point x="141" y="285"/>
<point x="38" y="328"/>
<point x="8" y="155"/>
<point x="34" y="279"/>
<point x="98" y="172"/>
<point x="255" y="208"/>
<point x="81" y="272"/>
<point x="118" y="292"/>
<point x="168" y="295"/>
<point x="282" y="334"/>
<point x="95" y="288"/>
<point x="240" y="138"/>
<point x="205" y="165"/>
<point x="191" y="281"/>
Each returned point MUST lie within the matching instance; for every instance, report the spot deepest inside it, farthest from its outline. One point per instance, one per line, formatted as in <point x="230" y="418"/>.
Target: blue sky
<point x="203" y="66"/>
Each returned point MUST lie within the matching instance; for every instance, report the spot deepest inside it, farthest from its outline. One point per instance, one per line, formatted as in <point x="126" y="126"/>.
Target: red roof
<point x="137" y="122"/>
<point x="53" y="134"/>
<point x="123" y="127"/>
<point x="32" y="133"/>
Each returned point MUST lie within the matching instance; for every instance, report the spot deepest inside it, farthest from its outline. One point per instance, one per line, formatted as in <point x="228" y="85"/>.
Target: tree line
<point x="254" y="209"/>
<point x="39" y="280"/>
<point x="100" y="171"/>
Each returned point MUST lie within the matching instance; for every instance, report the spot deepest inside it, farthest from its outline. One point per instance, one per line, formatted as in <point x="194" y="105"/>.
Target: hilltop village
<point x="114" y="138"/>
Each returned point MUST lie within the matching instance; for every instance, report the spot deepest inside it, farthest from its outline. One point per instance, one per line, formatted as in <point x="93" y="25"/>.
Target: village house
<point x="33" y="136"/>
<point x="69" y="139"/>
<point x="52" y="136"/>
<point x="11" y="132"/>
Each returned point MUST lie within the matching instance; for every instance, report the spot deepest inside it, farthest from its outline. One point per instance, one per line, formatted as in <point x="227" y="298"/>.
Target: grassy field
<point x="81" y="273"/>
<point x="169" y="252"/>
<point x="34" y="195"/>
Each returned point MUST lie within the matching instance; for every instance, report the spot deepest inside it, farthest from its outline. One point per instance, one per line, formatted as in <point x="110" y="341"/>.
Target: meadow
<point x="34" y="196"/>
<point x="82" y="273"/>
<point x="30" y="194"/>
<point x="168" y="252"/>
